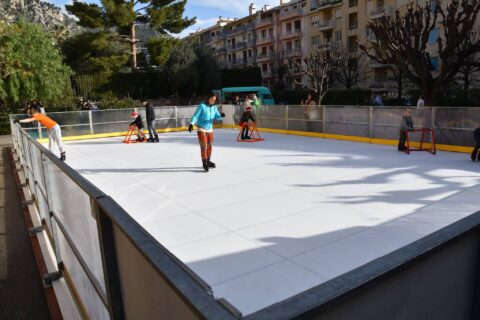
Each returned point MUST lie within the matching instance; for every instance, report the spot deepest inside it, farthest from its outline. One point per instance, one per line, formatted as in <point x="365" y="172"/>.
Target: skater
<point x="139" y="123"/>
<point x="152" y="132"/>
<point x="54" y="132"/>
<point x="247" y="115"/>
<point x="407" y="124"/>
<point x="476" y="150"/>
<point x="203" y="119"/>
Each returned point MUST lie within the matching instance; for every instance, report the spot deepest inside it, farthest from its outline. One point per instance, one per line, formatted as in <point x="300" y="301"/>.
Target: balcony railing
<point x="294" y="52"/>
<point x="380" y="11"/>
<point x="328" y="3"/>
<point x="291" y="12"/>
<point x="326" y="25"/>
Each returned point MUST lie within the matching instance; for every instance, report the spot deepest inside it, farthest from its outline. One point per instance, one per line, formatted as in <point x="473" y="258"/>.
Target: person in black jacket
<point x="406" y="125"/>
<point x="247" y="115"/>
<point x="476" y="136"/>
<point x="139" y="124"/>
<point x="150" y="121"/>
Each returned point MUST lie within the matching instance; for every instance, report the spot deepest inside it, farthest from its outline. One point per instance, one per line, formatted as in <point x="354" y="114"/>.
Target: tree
<point x="280" y="69"/>
<point x="350" y="65"/>
<point x="122" y="16"/>
<point x="403" y="40"/>
<point x="160" y="49"/>
<point x="208" y="70"/>
<point x="468" y="72"/>
<point x="30" y="65"/>
<point x="94" y="52"/>
<point x="180" y="69"/>
<point x="317" y="67"/>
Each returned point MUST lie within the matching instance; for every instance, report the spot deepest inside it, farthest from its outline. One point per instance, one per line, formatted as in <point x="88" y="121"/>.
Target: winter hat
<point x="249" y="109"/>
<point x="134" y="114"/>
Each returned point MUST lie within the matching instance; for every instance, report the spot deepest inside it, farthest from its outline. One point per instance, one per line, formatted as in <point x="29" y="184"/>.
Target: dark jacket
<point x="476" y="136"/>
<point x="407" y="124"/>
<point x="150" y="112"/>
<point x="247" y="115"/>
<point x="138" y="122"/>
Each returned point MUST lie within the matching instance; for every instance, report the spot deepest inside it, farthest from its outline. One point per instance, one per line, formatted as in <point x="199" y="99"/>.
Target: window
<point x="298" y="25"/>
<point x="270" y="32"/>
<point x="298" y="44"/>
<point x="352" y="44"/>
<point x="338" y="35"/>
<point x="264" y="67"/>
<point x="315" y="21"/>
<point x="264" y="34"/>
<point x="264" y="51"/>
<point x="229" y="57"/>
<point x="433" y="36"/>
<point x="352" y="3"/>
<point x="288" y="46"/>
<point x="250" y="53"/>
<point x="352" y="21"/>
<point x="288" y="27"/>
<point x="315" y="41"/>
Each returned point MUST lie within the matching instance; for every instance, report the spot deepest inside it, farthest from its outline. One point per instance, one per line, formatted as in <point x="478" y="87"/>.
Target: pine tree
<point x="122" y="16"/>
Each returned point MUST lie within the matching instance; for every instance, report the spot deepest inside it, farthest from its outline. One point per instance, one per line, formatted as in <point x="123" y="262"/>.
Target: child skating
<point x="139" y="124"/>
<point x="246" y="116"/>
<point x="203" y="119"/>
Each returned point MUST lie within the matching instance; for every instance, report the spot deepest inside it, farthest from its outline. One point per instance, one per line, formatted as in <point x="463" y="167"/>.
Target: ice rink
<point x="280" y="216"/>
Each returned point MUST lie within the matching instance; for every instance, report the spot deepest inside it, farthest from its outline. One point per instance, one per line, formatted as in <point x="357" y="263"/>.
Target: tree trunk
<point x="133" y="47"/>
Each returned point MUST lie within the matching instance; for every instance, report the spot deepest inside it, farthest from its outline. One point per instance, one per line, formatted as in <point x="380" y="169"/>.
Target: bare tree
<point x="317" y="67"/>
<point x="400" y="81"/>
<point x="402" y="40"/>
<point x="469" y="71"/>
<point x="280" y="69"/>
<point x="349" y="67"/>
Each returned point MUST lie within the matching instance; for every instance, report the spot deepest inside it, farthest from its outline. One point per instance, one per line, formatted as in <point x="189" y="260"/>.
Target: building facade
<point x="289" y="32"/>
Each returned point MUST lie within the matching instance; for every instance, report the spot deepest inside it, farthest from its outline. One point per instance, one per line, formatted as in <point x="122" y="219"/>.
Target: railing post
<point x="286" y="117"/>
<point x="432" y="122"/>
<point x="370" y="122"/>
<point x="324" y="119"/>
<point x="40" y="136"/>
<point x="90" y="122"/>
<point x="176" y="117"/>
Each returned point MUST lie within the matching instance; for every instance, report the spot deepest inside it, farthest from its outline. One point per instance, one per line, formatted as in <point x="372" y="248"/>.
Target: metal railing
<point x="96" y="243"/>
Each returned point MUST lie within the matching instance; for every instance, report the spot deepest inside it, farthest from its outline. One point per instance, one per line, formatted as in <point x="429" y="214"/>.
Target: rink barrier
<point x="112" y="267"/>
<point x="140" y="279"/>
<point x="366" y="124"/>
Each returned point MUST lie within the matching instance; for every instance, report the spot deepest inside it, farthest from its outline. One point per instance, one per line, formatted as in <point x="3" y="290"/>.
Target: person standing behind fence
<point x="307" y="107"/>
<point x="406" y="125"/>
<point x="54" y="132"/>
<point x="150" y="111"/>
<point x="476" y="150"/>
<point x="420" y="102"/>
<point x="203" y="119"/>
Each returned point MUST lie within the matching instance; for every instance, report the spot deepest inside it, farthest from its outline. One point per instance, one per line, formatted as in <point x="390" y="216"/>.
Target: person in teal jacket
<point x="203" y="120"/>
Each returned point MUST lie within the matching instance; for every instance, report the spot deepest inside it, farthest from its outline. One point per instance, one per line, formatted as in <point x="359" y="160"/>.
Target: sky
<point x="206" y="11"/>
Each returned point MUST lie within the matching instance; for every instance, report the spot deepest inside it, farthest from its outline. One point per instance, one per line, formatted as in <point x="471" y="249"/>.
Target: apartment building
<point x="292" y="30"/>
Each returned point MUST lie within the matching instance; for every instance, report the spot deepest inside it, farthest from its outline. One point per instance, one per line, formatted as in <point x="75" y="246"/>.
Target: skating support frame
<point x="423" y="131"/>
<point x="254" y="135"/>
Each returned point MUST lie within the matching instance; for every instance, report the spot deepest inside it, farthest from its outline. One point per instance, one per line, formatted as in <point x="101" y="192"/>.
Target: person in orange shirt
<point x="54" y="132"/>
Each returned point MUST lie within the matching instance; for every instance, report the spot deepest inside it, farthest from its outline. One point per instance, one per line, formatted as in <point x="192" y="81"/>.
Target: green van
<point x="226" y="94"/>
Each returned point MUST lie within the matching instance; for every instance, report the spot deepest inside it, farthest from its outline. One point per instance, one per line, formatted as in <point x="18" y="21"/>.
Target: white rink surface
<point x="278" y="217"/>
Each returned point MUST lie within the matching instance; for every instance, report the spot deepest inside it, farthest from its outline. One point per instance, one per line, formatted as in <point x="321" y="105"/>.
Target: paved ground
<point x="21" y="291"/>
<point x="281" y="216"/>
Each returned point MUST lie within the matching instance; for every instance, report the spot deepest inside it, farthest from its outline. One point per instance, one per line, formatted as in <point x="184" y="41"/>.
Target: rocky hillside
<point x="46" y="14"/>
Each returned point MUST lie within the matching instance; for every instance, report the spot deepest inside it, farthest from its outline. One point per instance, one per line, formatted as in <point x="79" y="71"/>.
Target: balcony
<point x="264" y="22"/>
<point x="291" y="34"/>
<point x="267" y="74"/>
<point x="352" y="3"/>
<point x="324" y="4"/>
<point x="381" y="11"/>
<point x="265" y="40"/>
<point x="295" y="52"/>
<point x="240" y="29"/>
<point x="375" y="64"/>
<point x="262" y="57"/>
<point x="292" y="13"/>
<point x="326" y="25"/>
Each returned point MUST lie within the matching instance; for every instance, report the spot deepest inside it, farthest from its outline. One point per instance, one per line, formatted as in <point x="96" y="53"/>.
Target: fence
<point x="113" y="268"/>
